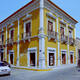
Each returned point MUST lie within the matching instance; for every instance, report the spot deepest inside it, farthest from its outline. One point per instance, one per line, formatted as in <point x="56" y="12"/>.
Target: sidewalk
<point x="65" y="66"/>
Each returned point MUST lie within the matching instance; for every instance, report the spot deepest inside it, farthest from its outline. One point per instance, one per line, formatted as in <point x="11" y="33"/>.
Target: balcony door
<point x="27" y="28"/>
<point x="62" y="32"/>
<point x="12" y="34"/>
<point x="70" y="33"/>
<point x="50" y="26"/>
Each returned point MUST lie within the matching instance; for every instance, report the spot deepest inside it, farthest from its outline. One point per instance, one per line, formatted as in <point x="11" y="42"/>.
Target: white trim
<point x="51" y="50"/>
<point x="72" y="52"/>
<point x="62" y="21"/>
<point x="65" y="54"/>
<point x="58" y="43"/>
<point x="32" y="50"/>
<point x="18" y="45"/>
<point x="50" y="15"/>
<point x="12" y="52"/>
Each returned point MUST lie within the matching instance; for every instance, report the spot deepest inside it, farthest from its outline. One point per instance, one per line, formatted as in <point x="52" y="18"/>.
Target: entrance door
<point x="71" y="59"/>
<point x="63" y="58"/>
<point x="32" y="59"/>
<point x="1" y="56"/>
<point x="51" y="59"/>
<point x="11" y="58"/>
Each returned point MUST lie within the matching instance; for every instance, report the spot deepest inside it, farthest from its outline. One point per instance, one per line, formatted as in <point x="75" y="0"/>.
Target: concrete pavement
<point x="68" y="73"/>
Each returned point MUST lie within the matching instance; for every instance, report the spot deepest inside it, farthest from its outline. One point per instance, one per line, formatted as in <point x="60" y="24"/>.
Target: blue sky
<point x="7" y="7"/>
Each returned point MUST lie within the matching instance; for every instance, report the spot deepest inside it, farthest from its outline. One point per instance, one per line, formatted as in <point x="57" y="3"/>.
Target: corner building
<point x="39" y="36"/>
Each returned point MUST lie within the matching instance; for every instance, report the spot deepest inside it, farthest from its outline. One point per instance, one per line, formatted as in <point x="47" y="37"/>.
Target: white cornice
<point x="28" y="9"/>
<point x="53" y="9"/>
<point x="51" y="15"/>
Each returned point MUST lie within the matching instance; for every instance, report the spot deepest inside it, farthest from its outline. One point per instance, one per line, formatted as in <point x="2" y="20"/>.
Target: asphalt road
<point x="71" y="73"/>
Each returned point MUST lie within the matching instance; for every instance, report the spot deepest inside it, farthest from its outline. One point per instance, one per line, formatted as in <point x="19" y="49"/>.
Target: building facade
<point x="40" y="35"/>
<point x="78" y="50"/>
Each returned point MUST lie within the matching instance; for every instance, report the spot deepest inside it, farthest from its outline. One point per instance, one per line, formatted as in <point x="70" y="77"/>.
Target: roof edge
<point x="63" y="11"/>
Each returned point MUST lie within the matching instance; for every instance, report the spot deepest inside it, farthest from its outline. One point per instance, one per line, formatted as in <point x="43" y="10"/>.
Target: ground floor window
<point x="32" y="59"/>
<point x="63" y="57"/>
<point x="51" y="59"/>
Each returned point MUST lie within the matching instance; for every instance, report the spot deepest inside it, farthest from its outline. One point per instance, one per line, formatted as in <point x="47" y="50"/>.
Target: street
<point x="71" y="73"/>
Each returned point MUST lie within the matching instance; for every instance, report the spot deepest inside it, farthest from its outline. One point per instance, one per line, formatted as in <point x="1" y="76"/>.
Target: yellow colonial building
<point x="39" y="36"/>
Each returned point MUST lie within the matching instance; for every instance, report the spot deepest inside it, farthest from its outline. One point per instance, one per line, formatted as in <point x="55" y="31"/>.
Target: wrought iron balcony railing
<point x="10" y="41"/>
<point x="71" y="41"/>
<point x="26" y="36"/>
<point x="52" y="35"/>
<point x="64" y="39"/>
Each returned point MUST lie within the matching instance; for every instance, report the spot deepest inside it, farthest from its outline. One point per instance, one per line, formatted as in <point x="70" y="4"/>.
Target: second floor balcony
<point x="71" y="41"/>
<point x="26" y="36"/>
<point x="64" y="39"/>
<point x="10" y="41"/>
<point x="52" y="35"/>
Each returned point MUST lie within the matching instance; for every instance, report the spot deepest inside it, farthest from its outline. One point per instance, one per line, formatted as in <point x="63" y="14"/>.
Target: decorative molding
<point x="23" y="12"/>
<point x="51" y="15"/>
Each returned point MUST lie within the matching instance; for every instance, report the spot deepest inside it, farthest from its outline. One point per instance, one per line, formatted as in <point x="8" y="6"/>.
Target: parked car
<point x="7" y="63"/>
<point x="4" y="69"/>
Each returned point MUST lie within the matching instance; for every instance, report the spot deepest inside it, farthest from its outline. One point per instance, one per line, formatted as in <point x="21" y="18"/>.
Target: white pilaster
<point x="6" y="45"/>
<point x="58" y="44"/>
<point x="68" y="46"/>
<point x="76" y="47"/>
<point x="18" y="44"/>
<point x="41" y="37"/>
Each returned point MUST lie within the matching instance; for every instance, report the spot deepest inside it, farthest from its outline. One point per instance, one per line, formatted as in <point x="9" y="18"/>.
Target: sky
<point x="72" y="7"/>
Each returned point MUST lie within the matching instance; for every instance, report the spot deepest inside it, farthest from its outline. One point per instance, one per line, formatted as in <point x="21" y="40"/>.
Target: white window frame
<point x="30" y="26"/>
<point x="32" y="50"/>
<point x="72" y="52"/>
<point x="10" y="33"/>
<point x="53" y="21"/>
<point x="65" y="54"/>
<point x="11" y="52"/>
<point x="51" y="50"/>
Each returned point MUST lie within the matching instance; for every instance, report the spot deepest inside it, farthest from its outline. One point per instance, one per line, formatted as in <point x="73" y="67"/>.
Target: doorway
<point x="1" y="56"/>
<point x="11" y="58"/>
<point x="51" y="59"/>
<point x="71" y="58"/>
<point x="63" y="58"/>
<point x="32" y="59"/>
